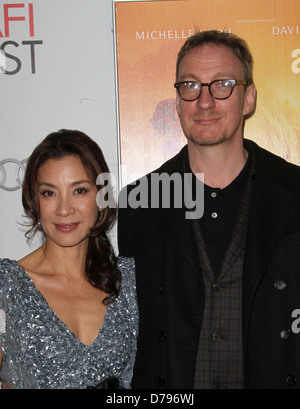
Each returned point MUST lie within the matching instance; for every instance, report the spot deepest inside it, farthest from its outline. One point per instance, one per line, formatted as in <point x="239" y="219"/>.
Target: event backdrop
<point x="148" y="37"/>
<point x="56" y="71"/>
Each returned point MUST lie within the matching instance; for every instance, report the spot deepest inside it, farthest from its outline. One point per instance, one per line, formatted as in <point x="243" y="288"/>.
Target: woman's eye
<point x="81" y="190"/>
<point x="47" y="193"/>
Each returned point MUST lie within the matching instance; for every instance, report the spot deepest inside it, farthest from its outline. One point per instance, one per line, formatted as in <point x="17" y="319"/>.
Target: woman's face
<point x="67" y="201"/>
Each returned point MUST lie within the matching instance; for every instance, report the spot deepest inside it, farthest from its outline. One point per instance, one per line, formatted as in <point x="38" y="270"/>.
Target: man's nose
<point x="205" y="100"/>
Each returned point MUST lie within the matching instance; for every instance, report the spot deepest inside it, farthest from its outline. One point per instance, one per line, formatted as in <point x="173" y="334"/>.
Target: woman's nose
<point x="65" y="206"/>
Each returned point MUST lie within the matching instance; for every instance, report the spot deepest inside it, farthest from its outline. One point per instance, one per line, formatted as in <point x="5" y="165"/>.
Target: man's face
<point x="208" y="121"/>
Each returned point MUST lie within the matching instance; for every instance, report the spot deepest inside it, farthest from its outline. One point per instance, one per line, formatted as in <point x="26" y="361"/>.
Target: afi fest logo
<point x="16" y="18"/>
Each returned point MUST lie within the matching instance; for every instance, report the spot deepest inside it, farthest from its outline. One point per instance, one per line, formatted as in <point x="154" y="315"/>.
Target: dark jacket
<point x="171" y="292"/>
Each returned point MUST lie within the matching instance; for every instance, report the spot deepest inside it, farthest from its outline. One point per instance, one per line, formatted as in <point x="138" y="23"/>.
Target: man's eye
<point x="224" y="84"/>
<point x="193" y="85"/>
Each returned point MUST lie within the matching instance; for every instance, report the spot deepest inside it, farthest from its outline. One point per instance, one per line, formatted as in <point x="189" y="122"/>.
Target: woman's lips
<point x="66" y="227"/>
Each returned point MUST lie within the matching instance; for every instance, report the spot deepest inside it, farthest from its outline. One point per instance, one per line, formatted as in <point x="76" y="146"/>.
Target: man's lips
<point x="66" y="227"/>
<point x="206" y="119"/>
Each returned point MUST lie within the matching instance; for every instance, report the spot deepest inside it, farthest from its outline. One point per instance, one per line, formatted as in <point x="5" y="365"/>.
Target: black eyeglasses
<point x="218" y="89"/>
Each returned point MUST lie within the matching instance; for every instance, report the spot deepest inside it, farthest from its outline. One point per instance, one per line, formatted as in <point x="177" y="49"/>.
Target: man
<point x="219" y="296"/>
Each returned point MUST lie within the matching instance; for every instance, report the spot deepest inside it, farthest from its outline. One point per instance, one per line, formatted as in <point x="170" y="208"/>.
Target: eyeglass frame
<point x="206" y="84"/>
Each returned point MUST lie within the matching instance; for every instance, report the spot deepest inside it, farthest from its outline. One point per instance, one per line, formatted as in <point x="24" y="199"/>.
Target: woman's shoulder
<point x="7" y="265"/>
<point x="126" y="267"/>
<point x="8" y="268"/>
<point x="127" y="297"/>
<point x="126" y="264"/>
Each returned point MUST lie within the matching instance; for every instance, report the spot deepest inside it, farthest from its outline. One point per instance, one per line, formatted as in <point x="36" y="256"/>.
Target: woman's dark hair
<point x="100" y="266"/>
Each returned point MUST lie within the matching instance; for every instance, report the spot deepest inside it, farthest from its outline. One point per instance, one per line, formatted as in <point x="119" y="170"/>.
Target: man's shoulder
<point x="272" y="164"/>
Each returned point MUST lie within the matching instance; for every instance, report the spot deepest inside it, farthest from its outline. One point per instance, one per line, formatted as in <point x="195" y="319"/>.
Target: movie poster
<point x="148" y="37"/>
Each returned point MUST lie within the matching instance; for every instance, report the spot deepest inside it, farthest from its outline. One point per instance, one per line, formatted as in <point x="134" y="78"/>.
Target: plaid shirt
<point x="220" y="354"/>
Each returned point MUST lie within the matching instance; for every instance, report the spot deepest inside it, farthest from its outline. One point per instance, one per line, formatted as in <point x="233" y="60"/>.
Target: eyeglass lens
<point x="219" y="89"/>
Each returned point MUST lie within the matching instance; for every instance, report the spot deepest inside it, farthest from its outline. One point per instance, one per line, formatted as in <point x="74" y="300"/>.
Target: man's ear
<point x="177" y="105"/>
<point x="250" y="100"/>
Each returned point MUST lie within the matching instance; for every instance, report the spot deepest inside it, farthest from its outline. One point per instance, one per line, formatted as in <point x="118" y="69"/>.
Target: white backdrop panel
<point x="73" y="87"/>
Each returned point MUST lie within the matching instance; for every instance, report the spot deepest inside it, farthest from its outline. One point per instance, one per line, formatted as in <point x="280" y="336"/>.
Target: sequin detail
<point x="40" y="352"/>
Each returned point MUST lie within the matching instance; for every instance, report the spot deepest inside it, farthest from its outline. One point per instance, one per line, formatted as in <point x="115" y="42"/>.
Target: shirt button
<point x="290" y="380"/>
<point x="213" y="194"/>
<point x="285" y="334"/>
<point x="160" y="381"/>
<point x="161" y="336"/>
<point x="216" y="337"/>
<point x="216" y="386"/>
<point x="217" y="287"/>
<point x="214" y="215"/>
<point x="280" y="285"/>
<point x="162" y="289"/>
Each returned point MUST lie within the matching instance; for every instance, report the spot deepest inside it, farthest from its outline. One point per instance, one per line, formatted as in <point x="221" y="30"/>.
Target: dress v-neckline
<point x="55" y="316"/>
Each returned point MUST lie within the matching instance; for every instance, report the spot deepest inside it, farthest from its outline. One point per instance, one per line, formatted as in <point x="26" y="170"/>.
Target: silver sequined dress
<point x="40" y="352"/>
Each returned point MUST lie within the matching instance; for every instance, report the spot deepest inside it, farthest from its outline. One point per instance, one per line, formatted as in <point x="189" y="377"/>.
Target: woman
<point x="70" y="308"/>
